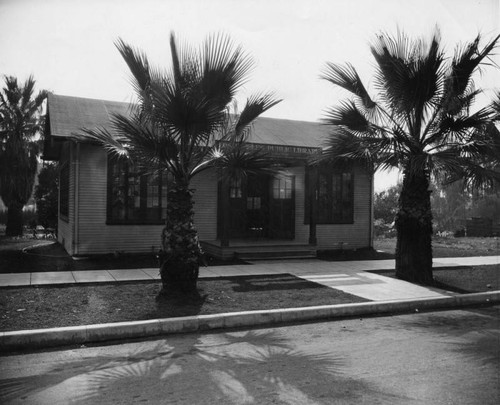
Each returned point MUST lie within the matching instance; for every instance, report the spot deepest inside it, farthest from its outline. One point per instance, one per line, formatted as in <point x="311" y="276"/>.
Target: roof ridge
<point x="61" y="96"/>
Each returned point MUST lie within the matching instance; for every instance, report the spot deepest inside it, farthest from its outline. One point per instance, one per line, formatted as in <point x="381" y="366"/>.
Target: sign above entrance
<point x="286" y="150"/>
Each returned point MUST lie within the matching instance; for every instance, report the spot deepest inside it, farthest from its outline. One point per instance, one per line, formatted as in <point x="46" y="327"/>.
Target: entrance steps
<point x="252" y="251"/>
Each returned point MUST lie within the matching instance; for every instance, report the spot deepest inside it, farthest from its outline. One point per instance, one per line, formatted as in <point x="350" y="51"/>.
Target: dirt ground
<point x="450" y="247"/>
<point x="45" y="307"/>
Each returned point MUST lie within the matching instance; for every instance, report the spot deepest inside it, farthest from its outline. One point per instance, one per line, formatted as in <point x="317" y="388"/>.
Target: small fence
<point x="482" y="227"/>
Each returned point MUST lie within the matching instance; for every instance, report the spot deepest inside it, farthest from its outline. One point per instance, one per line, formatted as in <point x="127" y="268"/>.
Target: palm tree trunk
<point x="414" y="230"/>
<point x="179" y="263"/>
<point x="14" y="220"/>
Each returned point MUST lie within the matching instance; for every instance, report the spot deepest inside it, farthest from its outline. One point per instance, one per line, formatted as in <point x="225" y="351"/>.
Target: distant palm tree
<point x="421" y="122"/>
<point x="184" y="124"/>
<point x="20" y="123"/>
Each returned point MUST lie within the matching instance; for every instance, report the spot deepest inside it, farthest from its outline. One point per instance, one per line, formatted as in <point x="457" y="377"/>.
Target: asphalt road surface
<point x="448" y="357"/>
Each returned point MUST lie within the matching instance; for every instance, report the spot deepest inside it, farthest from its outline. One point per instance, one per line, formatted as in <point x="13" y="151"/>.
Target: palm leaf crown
<point x="422" y="116"/>
<point x="183" y="121"/>
<point x="21" y="125"/>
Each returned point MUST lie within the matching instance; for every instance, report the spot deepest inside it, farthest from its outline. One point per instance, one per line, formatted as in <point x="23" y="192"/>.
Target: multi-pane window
<point x="334" y="196"/>
<point x="282" y="188"/>
<point x="235" y="190"/>
<point x="64" y="191"/>
<point x="134" y="197"/>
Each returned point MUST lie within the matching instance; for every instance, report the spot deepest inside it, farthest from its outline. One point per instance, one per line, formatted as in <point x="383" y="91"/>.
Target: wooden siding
<point x="338" y="236"/>
<point x="65" y="226"/>
<point x="94" y="236"/>
<point x="205" y="204"/>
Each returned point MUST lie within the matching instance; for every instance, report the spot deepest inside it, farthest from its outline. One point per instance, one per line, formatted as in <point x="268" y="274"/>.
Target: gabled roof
<point x="68" y="115"/>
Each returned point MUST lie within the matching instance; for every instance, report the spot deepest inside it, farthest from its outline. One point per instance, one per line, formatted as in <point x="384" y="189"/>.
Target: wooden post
<point x="313" y="185"/>
<point x="224" y="213"/>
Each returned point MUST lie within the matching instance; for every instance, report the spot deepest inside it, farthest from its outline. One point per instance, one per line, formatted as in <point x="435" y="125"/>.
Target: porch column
<point x="312" y="196"/>
<point x="224" y="213"/>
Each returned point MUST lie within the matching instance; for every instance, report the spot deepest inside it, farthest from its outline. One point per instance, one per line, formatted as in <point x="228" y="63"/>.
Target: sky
<point x="68" y="45"/>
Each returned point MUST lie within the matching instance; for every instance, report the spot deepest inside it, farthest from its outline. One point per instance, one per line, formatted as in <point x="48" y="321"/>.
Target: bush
<point x="46" y="196"/>
<point x="383" y="229"/>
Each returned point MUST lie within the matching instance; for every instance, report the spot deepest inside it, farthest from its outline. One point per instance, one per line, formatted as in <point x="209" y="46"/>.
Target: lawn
<point x="450" y="247"/>
<point x="467" y="279"/>
<point x="45" y="307"/>
<point x="464" y="279"/>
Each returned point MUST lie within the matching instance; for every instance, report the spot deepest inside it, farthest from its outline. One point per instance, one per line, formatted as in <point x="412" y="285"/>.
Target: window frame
<point x="142" y="214"/>
<point x="342" y="198"/>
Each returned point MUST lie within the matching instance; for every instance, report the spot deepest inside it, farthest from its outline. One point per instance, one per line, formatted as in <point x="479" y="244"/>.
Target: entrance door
<point x="249" y="207"/>
<point x="282" y="207"/>
<point x="257" y="206"/>
<point x="261" y="206"/>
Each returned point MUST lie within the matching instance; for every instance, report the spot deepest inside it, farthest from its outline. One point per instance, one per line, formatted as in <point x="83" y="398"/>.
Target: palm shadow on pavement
<point x="254" y="367"/>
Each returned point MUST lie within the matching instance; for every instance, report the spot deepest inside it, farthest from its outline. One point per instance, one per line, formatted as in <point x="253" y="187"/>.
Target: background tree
<point x="47" y="195"/>
<point x="185" y="123"/>
<point x="486" y="204"/>
<point x="422" y="122"/>
<point x="385" y="204"/>
<point x="450" y="206"/>
<point x="20" y="124"/>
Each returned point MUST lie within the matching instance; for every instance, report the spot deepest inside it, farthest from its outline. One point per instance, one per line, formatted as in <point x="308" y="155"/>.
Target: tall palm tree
<point x="421" y="121"/>
<point x="184" y="124"/>
<point x="20" y="124"/>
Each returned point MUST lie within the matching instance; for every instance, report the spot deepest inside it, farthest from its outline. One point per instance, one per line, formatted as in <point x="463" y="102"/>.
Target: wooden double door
<point x="261" y="206"/>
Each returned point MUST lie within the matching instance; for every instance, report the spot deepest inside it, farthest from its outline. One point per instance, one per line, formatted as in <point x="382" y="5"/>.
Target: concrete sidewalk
<point x="353" y="277"/>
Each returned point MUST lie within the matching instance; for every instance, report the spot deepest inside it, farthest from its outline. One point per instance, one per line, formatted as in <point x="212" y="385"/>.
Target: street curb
<point x="42" y="338"/>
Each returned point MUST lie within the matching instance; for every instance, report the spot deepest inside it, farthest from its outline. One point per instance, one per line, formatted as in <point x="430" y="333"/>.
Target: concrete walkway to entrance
<point x="354" y="277"/>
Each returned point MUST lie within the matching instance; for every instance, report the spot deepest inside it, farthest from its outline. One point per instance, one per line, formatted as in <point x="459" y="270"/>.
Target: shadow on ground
<point x="240" y="367"/>
<point x="24" y="256"/>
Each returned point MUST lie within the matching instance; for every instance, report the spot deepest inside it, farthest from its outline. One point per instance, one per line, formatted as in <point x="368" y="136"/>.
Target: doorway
<point x="261" y="206"/>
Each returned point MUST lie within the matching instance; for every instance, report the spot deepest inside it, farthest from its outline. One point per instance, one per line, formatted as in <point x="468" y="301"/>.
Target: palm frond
<point x="344" y="146"/>
<point x="27" y="91"/>
<point x="459" y="78"/>
<point x="238" y="160"/>
<point x="254" y="107"/>
<point x="184" y="109"/>
<point x="460" y="129"/>
<point x="347" y="77"/>
<point x="346" y="114"/>
<point x="474" y="176"/>
<point x="138" y="63"/>
<point x="495" y="105"/>
<point x="225" y="68"/>
<point x="409" y="71"/>
<point x="104" y="138"/>
<point x="144" y="142"/>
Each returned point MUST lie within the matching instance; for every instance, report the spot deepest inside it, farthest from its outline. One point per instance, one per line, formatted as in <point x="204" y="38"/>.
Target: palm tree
<point x="184" y="124"/>
<point x="422" y="121"/>
<point x="20" y="124"/>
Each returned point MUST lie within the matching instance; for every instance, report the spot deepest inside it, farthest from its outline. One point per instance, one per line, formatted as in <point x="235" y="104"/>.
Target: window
<point x="282" y="188"/>
<point x="134" y="197"/>
<point x="235" y="190"/>
<point x="64" y="192"/>
<point x="334" y="196"/>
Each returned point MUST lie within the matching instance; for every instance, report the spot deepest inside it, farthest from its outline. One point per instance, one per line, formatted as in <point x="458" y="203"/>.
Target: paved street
<point x="449" y="357"/>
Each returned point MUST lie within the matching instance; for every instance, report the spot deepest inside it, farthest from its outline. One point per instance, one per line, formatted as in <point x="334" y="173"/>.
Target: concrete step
<point x="276" y="254"/>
